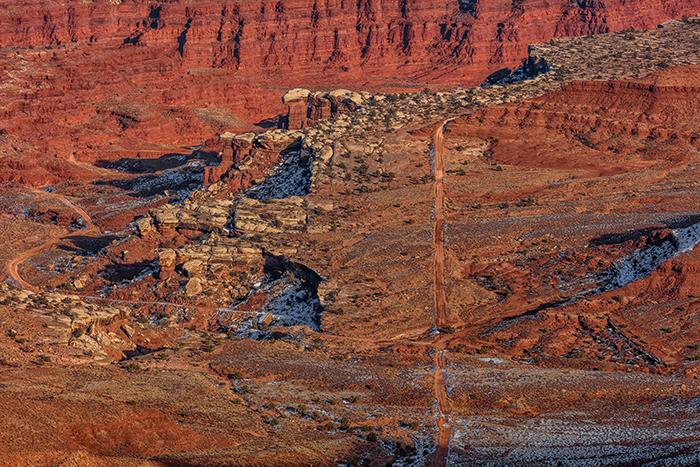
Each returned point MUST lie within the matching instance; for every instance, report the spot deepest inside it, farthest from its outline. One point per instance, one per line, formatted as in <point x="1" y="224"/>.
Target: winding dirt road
<point x="444" y="417"/>
<point x="440" y="387"/>
<point x="12" y="266"/>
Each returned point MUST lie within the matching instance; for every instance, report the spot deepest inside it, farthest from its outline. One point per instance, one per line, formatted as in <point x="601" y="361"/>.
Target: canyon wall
<point x="89" y="80"/>
<point x="311" y="36"/>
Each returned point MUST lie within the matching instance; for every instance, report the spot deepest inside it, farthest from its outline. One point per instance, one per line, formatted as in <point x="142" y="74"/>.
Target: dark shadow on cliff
<point x="143" y="165"/>
<point x="87" y="245"/>
<point x="116" y="273"/>
<point x="268" y="123"/>
<point x="635" y="235"/>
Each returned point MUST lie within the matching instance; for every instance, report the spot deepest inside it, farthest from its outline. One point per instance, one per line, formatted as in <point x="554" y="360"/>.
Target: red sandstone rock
<point x="304" y="107"/>
<point x="293" y="35"/>
<point x="105" y="79"/>
<point x="296" y="117"/>
<point x="244" y="159"/>
<point x="228" y="159"/>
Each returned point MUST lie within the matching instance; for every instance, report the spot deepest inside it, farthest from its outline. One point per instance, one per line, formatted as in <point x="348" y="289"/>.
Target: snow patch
<point x="291" y="177"/>
<point x="642" y="262"/>
<point x="293" y="302"/>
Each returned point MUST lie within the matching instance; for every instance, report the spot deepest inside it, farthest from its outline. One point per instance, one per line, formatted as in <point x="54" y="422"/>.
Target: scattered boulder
<point x="145" y="225"/>
<point x="266" y="319"/>
<point x="193" y="267"/>
<point x="81" y="281"/>
<point x="194" y="287"/>
<point x="326" y="154"/>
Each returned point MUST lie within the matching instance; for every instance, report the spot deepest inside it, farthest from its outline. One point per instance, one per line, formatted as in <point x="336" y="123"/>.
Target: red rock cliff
<point x="103" y="77"/>
<point x="311" y="36"/>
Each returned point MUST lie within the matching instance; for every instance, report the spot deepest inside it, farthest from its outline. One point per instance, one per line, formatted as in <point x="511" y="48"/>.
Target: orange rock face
<point x="299" y="36"/>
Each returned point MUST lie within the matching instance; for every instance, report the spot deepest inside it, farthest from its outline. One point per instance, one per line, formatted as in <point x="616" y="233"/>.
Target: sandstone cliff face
<point x="310" y="36"/>
<point x="92" y="80"/>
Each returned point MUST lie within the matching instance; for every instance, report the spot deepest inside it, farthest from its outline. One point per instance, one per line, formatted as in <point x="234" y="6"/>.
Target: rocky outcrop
<point x="93" y="330"/>
<point x="246" y="158"/>
<point x="344" y="150"/>
<point x="205" y="215"/>
<point x="228" y="159"/>
<point x="306" y="108"/>
<point x="282" y="215"/>
<point x="221" y="268"/>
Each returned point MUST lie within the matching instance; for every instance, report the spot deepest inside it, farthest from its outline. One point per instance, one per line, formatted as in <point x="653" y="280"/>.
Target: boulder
<point x="81" y="281"/>
<point x="166" y="215"/>
<point x="326" y="153"/>
<point x="166" y="262"/>
<point x="297" y="94"/>
<point x="144" y="225"/>
<point x="193" y="267"/>
<point x="266" y="319"/>
<point x="194" y="287"/>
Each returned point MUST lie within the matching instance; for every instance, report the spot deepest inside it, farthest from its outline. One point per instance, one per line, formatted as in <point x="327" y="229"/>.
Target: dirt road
<point x="444" y="418"/>
<point x="443" y="415"/>
<point x="12" y="266"/>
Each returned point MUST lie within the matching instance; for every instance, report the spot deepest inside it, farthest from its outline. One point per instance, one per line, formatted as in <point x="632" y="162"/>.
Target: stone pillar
<point x="227" y="154"/>
<point x="296" y="115"/>
<point x="296" y="101"/>
<point x="227" y="160"/>
<point x="320" y="108"/>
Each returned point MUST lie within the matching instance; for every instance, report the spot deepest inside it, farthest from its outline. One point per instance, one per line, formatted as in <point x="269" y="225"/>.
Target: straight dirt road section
<point x="444" y="417"/>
